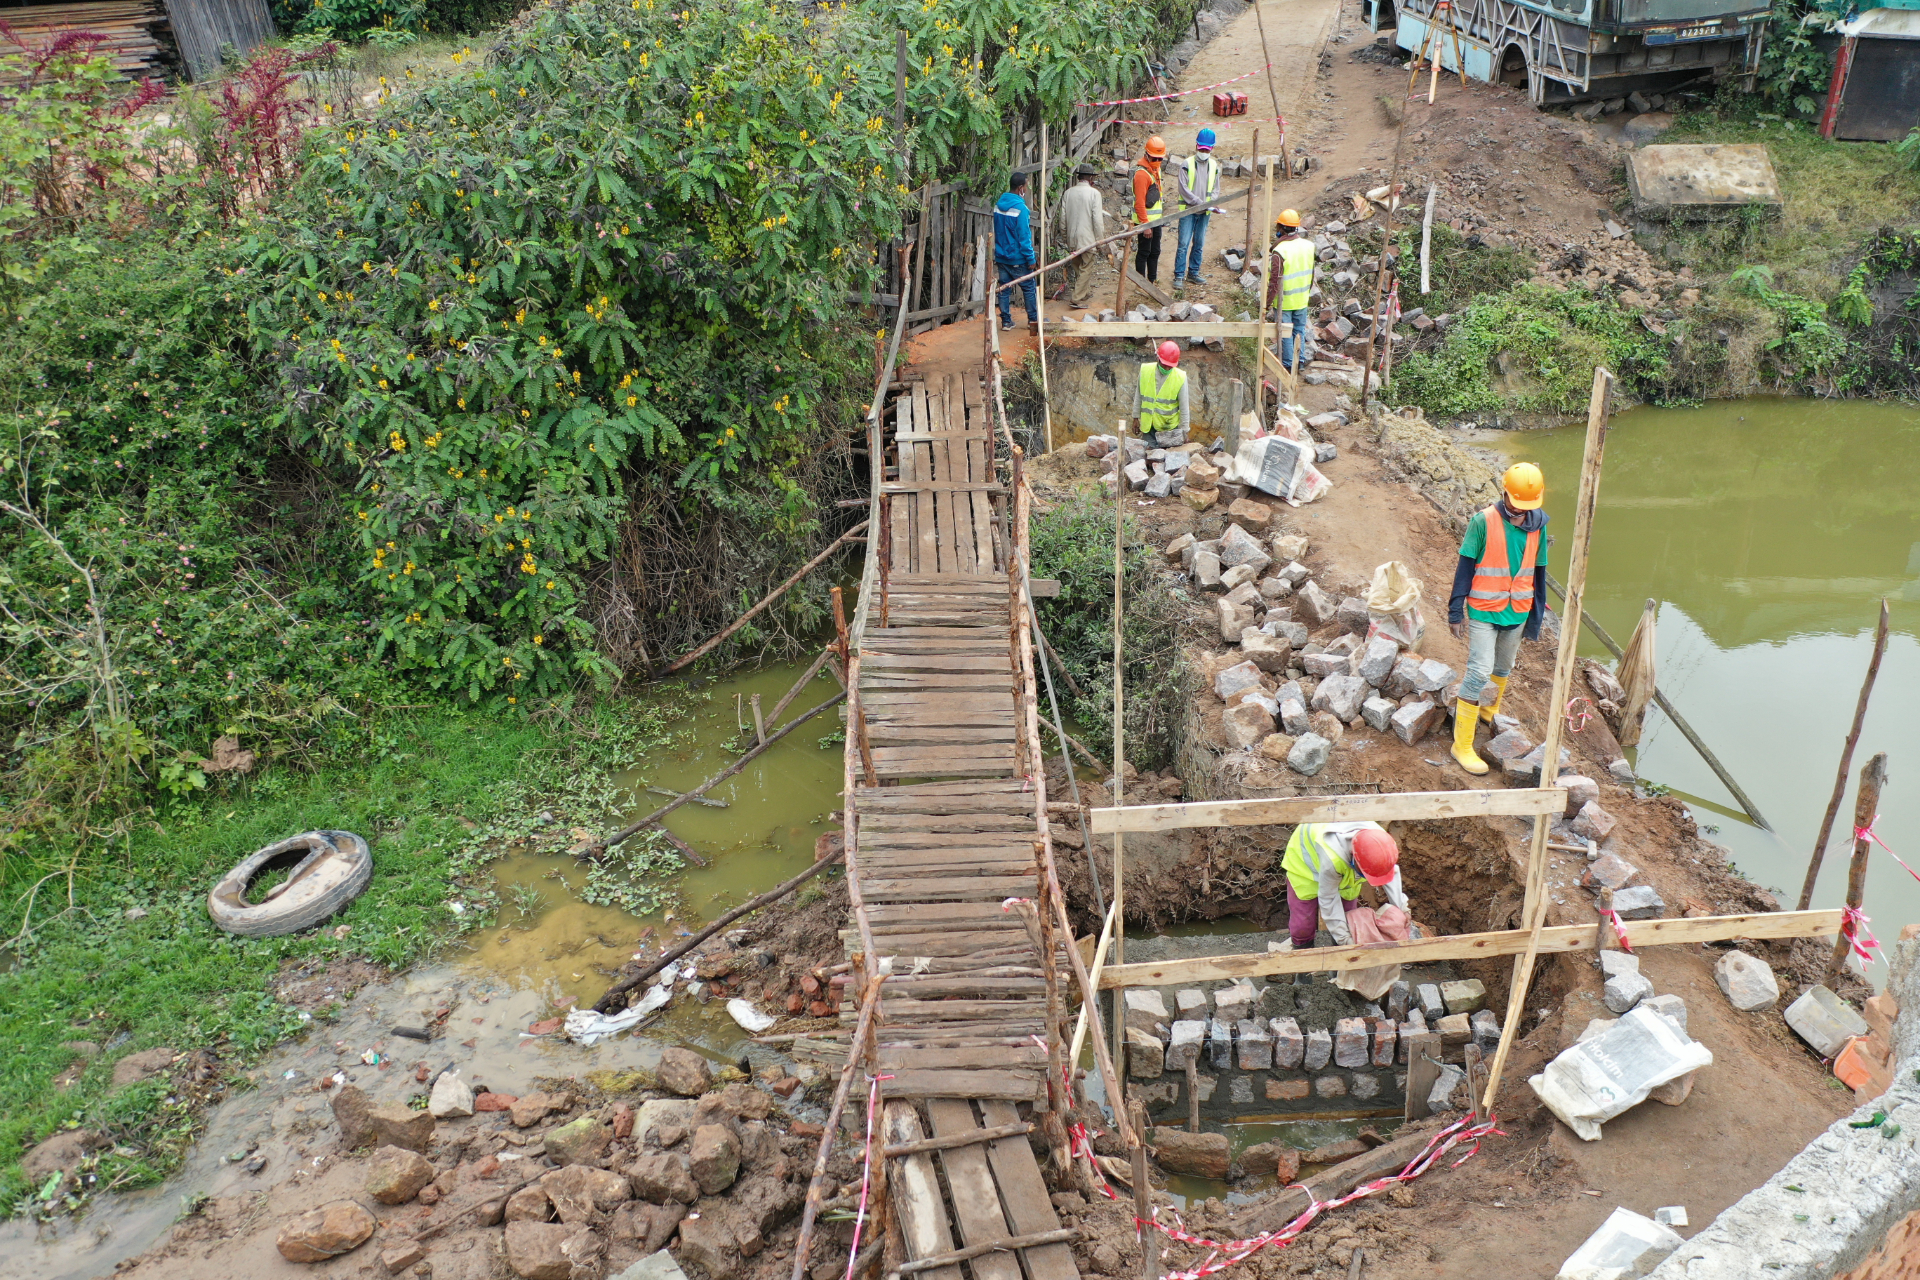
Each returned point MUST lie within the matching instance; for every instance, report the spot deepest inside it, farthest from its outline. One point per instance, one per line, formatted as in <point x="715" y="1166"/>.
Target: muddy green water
<point x="1768" y="530"/>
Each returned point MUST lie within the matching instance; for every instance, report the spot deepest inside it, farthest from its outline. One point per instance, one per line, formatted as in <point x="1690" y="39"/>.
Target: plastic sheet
<point x="1625" y="1245"/>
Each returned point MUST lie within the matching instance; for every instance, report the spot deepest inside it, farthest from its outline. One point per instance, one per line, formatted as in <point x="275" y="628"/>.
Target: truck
<point x="1571" y="51"/>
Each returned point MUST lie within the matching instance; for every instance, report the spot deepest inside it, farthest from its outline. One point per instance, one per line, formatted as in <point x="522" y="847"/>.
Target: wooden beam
<point x="998" y="1131"/>
<point x="1470" y="946"/>
<point x="1293" y="810"/>
<point x="1058" y="329"/>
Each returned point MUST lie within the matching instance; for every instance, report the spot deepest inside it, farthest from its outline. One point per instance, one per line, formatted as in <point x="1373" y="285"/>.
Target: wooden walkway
<point x="945" y="806"/>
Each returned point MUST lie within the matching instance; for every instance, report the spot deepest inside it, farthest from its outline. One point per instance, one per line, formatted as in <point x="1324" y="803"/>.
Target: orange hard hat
<point x="1375" y="855"/>
<point x="1526" y="487"/>
<point x="1169" y="353"/>
<point x="1288" y="218"/>
<point x="1156" y="146"/>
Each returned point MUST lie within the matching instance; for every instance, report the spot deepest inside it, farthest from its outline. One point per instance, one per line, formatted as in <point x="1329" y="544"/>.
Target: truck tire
<point x="333" y="873"/>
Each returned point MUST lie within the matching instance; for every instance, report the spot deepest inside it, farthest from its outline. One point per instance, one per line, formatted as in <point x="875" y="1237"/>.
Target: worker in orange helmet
<point x="1160" y="404"/>
<point x="1499" y="597"/>
<point x="1328" y="866"/>
<point x="1147" y="206"/>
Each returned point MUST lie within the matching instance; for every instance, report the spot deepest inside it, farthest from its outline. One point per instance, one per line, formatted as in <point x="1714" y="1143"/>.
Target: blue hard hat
<point x="1205" y="140"/>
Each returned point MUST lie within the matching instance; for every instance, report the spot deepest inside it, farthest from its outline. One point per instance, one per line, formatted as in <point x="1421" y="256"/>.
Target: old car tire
<point x="334" y="871"/>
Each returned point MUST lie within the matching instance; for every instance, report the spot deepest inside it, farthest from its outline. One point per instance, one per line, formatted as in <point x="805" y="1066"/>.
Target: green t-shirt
<point x="1476" y="542"/>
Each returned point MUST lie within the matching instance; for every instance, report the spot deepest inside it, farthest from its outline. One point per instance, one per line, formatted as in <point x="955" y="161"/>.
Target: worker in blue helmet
<point x="1197" y="181"/>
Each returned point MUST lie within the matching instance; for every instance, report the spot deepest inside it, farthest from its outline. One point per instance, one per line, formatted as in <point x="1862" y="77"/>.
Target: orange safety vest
<point x="1496" y="586"/>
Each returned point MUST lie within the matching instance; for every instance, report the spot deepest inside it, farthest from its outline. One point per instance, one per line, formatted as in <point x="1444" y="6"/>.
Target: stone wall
<point x="1092" y="387"/>
<point x="1270" y="1048"/>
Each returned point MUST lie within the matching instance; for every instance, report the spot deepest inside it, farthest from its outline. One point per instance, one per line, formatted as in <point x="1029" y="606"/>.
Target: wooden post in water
<point x="1534" y="910"/>
<point x="1866" y="807"/>
<point x="1846" y="759"/>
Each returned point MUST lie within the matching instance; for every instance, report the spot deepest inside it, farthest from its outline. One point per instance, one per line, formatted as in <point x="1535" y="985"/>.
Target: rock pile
<point x="579" y="1192"/>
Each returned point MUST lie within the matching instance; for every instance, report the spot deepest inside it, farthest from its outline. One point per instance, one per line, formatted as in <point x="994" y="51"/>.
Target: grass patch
<point x="1833" y="194"/>
<point x="435" y="793"/>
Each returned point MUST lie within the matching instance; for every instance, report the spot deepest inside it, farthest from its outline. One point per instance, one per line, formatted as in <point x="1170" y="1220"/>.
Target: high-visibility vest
<point x="1153" y="191"/>
<point x="1307" y="852"/>
<point x="1296" y="272"/>
<point x="1497" y="586"/>
<point x="1160" y="396"/>
<point x="1213" y="179"/>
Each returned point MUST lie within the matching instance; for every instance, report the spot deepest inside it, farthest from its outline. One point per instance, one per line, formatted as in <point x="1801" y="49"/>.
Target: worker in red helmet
<point x="1160" y="404"/>
<point x="1328" y="866"/>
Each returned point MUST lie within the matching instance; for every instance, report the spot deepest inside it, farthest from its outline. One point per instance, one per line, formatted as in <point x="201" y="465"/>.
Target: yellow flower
<point x="539" y="639"/>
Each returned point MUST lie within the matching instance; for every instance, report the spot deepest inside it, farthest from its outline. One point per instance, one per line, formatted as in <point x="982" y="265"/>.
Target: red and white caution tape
<point x="1215" y="124"/>
<point x="866" y="1170"/>
<point x="1576" y="712"/>
<point x="1619" y="929"/>
<point x="1178" y="93"/>
<point x="1853" y="927"/>
<point x="1869" y="834"/>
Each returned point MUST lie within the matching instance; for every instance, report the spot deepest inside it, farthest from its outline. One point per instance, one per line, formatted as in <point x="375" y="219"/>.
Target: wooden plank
<point x="951" y="944"/>
<point x="935" y="663"/>
<point x="961" y="1010"/>
<point x="979" y="455"/>
<point x="1423" y="1071"/>
<point x="993" y="841"/>
<point x="878" y="916"/>
<point x="938" y="681"/>
<point x="862" y="795"/>
<point x="915" y="1191"/>
<point x="945" y="988"/>
<point x="949" y="582"/>
<point x="1152" y="329"/>
<point x="959" y="469"/>
<point x="1014" y="1130"/>
<point x="1473" y="946"/>
<point x="976" y="1202"/>
<point x="927" y="487"/>
<point x="906" y="735"/>
<point x="902" y="543"/>
<point x="1024" y="1192"/>
<point x="904" y="1057"/>
<point x="1329" y="1184"/>
<point x="942" y="474"/>
<point x="968" y="1084"/>
<point x="948" y="888"/>
<point x="1292" y="810"/>
<point x="926" y="557"/>
<point x="946" y="824"/>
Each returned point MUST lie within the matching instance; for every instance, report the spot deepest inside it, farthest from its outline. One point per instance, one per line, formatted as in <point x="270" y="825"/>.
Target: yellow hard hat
<point x="1526" y="487"/>
<point x="1156" y="146"/>
<point x="1288" y="218"/>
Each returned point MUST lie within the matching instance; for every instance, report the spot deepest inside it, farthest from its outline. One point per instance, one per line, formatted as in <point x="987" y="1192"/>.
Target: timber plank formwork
<point x="947" y="835"/>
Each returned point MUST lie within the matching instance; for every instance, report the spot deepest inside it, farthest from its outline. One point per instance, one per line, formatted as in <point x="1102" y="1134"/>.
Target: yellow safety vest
<point x="1307" y="851"/>
<point x="1154" y="207"/>
<point x="1296" y="272"/>
<point x="1160" y="397"/>
<point x="1213" y="178"/>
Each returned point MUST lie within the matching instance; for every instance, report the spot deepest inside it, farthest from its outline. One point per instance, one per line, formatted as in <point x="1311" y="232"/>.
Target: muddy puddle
<point x="1768" y="530"/>
<point x="547" y="952"/>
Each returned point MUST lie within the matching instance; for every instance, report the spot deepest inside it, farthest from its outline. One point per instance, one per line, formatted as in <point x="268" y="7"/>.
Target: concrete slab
<point x="1687" y="182"/>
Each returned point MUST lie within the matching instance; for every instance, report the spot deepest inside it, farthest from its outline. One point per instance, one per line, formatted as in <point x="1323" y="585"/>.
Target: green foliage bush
<point x="1458" y="271"/>
<point x="1073" y="542"/>
<point x="1532" y="349"/>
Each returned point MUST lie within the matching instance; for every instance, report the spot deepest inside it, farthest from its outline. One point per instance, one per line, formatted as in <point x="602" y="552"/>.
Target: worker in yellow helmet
<point x="1499" y="597"/>
<point x="1290" y="284"/>
<point x="1147" y="205"/>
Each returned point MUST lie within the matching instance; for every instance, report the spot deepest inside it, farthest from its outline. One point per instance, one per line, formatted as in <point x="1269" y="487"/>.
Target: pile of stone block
<point x="1247" y="1052"/>
<point x="1614" y="882"/>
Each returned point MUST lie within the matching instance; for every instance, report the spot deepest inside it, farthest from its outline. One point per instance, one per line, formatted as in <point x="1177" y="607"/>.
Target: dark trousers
<point x="1146" y="254"/>
<point x="1029" y="296"/>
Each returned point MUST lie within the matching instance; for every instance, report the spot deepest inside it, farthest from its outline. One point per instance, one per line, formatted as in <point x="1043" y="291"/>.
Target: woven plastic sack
<point x="1393" y="606"/>
<point x="1281" y="467"/>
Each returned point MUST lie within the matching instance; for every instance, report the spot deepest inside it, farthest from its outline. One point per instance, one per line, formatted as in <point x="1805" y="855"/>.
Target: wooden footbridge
<point x="953" y="1013"/>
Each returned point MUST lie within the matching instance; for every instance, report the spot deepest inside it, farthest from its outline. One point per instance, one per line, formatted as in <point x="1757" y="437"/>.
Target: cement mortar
<point x="1321" y="1004"/>
<point x="1833" y="1203"/>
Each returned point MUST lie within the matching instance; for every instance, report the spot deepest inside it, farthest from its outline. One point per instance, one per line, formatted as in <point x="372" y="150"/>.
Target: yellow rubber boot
<point x="1499" y="684"/>
<point x="1466" y="718"/>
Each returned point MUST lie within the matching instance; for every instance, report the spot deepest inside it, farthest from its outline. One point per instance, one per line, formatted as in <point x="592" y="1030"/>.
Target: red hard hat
<point x="1169" y="353"/>
<point x="1375" y="855"/>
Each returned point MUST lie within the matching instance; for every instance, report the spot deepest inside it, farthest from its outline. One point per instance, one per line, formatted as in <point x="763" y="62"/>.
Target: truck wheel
<point x="334" y="868"/>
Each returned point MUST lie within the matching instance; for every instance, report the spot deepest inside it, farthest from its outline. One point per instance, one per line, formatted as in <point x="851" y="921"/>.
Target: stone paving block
<point x="1289" y="1046"/>
<point x="1384" y="1042"/>
<point x="1581" y="790"/>
<point x="1625" y="990"/>
<point x="1639" y="902"/>
<point x="1608" y="871"/>
<point x="1614" y="963"/>
<point x="1432" y="1004"/>
<point x="1674" y="1010"/>
<point x="1187" y="1039"/>
<point x="1378" y="713"/>
<point x="1340" y="696"/>
<point x="1315" y="607"/>
<point x="1821" y="1018"/>
<point x="1220" y="1044"/>
<point x="1748" y="981"/>
<point x="1507" y="746"/>
<point x="1377" y="659"/>
<point x="1350" y="1043"/>
<point x="1287" y="1090"/>
<point x="1146" y="1008"/>
<point x="1399" y="997"/>
<point x="1593" y="822"/>
<point x="1330" y="1086"/>
<point x="1433" y="676"/>
<point x="1238" y="678"/>
<point x="1310" y="754"/>
<point x="1319" y="1050"/>
<point x="1190" y="1003"/>
<point x="1146" y="1055"/>
<point x="1294" y="717"/>
<point x="1464" y="996"/>
<point x="1240" y="1090"/>
<point x="1486" y="1029"/>
<point x="1416" y="720"/>
<point x="1323" y="664"/>
<point x="1254" y="1043"/>
<point x="1366" y="1084"/>
<point x="1352" y="615"/>
<point x="1455" y="1029"/>
<point x="1234" y="1001"/>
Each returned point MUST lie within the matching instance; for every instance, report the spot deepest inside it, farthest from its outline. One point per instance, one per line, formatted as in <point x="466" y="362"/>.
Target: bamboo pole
<point x="1386" y="249"/>
<point x="1535" y="906"/>
<point x="1266" y="290"/>
<point x="773" y="717"/>
<point x="972" y="1137"/>
<point x="869" y="1009"/>
<point x="1040" y="293"/>
<point x="1279" y="121"/>
<point x="1426" y="233"/>
<point x="1846" y="758"/>
<point x="1246" y="240"/>
<point x="1679" y="721"/>
<point x="606" y="1002"/>
<point x="768" y="599"/>
<point x="856" y="718"/>
<point x="1866" y="807"/>
<point x="1119" y="728"/>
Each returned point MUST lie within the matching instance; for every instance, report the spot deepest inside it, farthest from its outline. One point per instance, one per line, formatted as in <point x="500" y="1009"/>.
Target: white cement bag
<point x="1393" y="606"/>
<point x="1279" y="466"/>
<point x="1597" y="1079"/>
<point x="1625" y="1245"/>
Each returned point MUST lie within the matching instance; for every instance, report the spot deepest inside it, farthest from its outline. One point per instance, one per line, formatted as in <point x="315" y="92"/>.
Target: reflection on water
<point x="1768" y="529"/>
